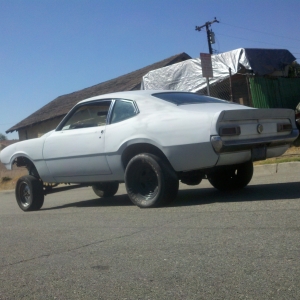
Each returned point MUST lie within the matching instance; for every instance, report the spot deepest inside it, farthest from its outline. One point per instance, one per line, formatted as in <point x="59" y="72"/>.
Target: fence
<point x="233" y="88"/>
<point x="257" y="91"/>
<point x="275" y="92"/>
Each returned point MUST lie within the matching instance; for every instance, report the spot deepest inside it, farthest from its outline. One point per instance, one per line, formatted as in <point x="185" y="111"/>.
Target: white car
<point x="150" y="140"/>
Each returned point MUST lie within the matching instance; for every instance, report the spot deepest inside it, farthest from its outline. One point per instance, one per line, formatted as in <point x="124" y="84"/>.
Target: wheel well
<point x="136" y="149"/>
<point x="23" y="161"/>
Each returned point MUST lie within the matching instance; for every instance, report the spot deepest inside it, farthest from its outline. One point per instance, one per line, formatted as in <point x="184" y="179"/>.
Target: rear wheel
<point x="150" y="181"/>
<point x="232" y="178"/>
<point x="106" y="189"/>
<point x="29" y="193"/>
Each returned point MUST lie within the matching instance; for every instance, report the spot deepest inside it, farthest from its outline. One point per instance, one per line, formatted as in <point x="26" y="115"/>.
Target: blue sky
<point x="54" y="47"/>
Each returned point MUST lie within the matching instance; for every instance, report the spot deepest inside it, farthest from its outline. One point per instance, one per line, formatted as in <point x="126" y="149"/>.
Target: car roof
<point x="131" y="95"/>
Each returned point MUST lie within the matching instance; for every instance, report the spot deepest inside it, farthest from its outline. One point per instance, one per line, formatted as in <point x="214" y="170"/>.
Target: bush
<point x="2" y="137"/>
<point x="6" y="179"/>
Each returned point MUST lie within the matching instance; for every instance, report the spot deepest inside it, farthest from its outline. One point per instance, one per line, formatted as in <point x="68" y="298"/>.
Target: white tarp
<point x="187" y="75"/>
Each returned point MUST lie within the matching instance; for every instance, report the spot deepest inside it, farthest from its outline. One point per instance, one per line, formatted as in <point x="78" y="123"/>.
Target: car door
<point x="76" y="147"/>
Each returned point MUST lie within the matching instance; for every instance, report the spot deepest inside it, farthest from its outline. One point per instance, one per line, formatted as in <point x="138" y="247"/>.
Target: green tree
<point x="3" y="137"/>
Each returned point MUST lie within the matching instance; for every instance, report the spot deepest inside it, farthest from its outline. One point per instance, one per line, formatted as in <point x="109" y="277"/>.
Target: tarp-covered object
<point x="187" y="75"/>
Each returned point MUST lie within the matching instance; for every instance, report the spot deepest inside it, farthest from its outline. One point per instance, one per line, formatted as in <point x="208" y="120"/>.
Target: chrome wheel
<point x="25" y="194"/>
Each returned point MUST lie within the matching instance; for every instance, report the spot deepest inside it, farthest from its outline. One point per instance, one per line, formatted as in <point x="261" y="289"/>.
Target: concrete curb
<point x="290" y="167"/>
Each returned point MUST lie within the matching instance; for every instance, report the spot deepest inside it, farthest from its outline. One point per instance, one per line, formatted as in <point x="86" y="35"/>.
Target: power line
<point x="253" y="40"/>
<point x="286" y="37"/>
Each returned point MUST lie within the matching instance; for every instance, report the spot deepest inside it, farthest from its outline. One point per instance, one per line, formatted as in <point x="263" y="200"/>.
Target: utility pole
<point x="210" y="34"/>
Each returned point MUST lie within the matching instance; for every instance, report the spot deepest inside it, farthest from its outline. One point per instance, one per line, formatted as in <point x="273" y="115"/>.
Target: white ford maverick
<point x="150" y="140"/>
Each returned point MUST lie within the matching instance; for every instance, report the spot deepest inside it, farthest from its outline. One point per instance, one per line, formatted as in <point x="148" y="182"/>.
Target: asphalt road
<point x="207" y="245"/>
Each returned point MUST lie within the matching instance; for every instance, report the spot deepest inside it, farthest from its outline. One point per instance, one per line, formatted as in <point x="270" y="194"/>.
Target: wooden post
<point x="207" y="82"/>
<point x="230" y="82"/>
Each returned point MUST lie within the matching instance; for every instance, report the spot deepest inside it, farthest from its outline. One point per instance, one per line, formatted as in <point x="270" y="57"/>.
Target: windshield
<point x="187" y="98"/>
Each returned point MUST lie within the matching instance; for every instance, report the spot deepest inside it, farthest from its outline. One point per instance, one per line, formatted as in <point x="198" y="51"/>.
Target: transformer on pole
<point x="210" y="34"/>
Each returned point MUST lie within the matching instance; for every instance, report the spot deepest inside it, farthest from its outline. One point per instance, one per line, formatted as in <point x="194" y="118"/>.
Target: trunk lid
<point x="256" y="123"/>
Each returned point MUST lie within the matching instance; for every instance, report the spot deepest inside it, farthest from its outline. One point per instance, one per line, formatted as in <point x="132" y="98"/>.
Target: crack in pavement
<point x="93" y="243"/>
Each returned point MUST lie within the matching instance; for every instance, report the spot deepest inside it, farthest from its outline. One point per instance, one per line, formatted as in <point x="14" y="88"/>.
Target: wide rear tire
<point x="29" y="193"/>
<point x="106" y="189"/>
<point x="150" y="181"/>
<point x="232" y="178"/>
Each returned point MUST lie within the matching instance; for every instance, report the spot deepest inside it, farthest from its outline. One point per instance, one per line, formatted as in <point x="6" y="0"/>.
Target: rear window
<point x="187" y="98"/>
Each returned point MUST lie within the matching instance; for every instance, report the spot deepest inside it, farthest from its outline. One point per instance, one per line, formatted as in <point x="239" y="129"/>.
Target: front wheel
<point x="232" y="178"/>
<point x="106" y="189"/>
<point x="29" y="193"/>
<point x="150" y="181"/>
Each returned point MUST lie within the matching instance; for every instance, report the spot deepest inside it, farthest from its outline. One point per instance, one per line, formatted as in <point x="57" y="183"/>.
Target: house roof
<point x="62" y="104"/>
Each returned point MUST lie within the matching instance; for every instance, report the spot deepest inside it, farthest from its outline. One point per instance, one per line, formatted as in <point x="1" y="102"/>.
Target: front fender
<point x="32" y="150"/>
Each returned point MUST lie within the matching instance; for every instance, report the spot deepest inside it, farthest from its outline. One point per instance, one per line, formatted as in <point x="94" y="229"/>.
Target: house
<point x="49" y="116"/>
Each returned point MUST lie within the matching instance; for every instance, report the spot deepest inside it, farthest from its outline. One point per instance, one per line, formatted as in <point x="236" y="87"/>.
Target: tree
<point x="3" y="137"/>
<point x="294" y="70"/>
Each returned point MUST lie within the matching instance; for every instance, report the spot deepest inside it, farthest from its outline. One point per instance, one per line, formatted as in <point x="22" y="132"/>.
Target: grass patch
<point x="277" y="160"/>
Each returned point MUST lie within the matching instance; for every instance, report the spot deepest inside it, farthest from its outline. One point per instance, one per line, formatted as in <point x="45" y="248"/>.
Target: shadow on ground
<point x="201" y="196"/>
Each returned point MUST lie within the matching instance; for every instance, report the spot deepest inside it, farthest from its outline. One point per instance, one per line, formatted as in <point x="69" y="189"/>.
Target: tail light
<point x="229" y="131"/>
<point x="284" y="127"/>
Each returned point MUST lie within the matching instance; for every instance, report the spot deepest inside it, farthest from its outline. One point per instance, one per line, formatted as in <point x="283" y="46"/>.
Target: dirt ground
<point x="8" y="178"/>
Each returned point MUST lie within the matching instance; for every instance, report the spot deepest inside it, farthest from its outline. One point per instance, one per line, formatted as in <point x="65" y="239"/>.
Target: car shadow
<point x="118" y="200"/>
<point x="201" y="196"/>
<point x="262" y="192"/>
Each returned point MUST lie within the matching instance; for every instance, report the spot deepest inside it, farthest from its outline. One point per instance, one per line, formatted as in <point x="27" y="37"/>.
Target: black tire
<point x="29" y="193"/>
<point x="150" y="181"/>
<point x="106" y="189"/>
<point x="232" y="178"/>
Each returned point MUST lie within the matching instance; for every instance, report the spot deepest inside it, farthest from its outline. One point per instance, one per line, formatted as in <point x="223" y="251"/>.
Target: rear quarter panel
<point x="182" y="133"/>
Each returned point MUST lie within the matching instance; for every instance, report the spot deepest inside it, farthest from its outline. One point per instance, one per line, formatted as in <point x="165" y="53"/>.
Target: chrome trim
<point x="260" y="128"/>
<point x="109" y="113"/>
<point x="238" y="145"/>
<point x="216" y="142"/>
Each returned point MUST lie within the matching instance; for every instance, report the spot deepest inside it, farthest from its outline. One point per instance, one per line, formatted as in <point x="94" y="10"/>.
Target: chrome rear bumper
<point x="221" y="146"/>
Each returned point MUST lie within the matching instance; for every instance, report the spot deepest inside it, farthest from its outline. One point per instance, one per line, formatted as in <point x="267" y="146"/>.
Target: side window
<point x="123" y="109"/>
<point x="89" y="115"/>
